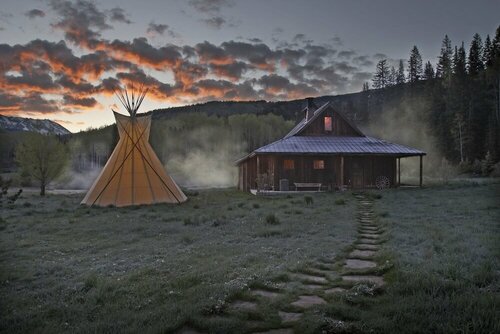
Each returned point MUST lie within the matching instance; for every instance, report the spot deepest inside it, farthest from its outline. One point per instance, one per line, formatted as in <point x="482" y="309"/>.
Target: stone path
<point x="321" y="279"/>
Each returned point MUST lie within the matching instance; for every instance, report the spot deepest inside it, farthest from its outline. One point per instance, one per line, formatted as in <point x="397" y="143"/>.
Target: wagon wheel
<point x="382" y="182"/>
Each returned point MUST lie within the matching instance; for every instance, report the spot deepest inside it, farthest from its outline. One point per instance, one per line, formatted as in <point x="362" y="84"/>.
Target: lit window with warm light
<point x="319" y="164"/>
<point x="288" y="164"/>
<point x="328" y="124"/>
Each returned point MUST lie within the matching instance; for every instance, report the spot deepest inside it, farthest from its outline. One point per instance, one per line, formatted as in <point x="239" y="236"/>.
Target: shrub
<point x="340" y="201"/>
<point x="271" y="219"/>
<point x="496" y="170"/>
<point x="256" y="205"/>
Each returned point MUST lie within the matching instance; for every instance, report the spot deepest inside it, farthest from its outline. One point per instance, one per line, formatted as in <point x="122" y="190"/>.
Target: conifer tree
<point x="381" y="77"/>
<point x="443" y="69"/>
<point x="459" y="62"/>
<point x="428" y="71"/>
<point x="488" y="52"/>
<point x="400" y="77"/>
<point x="475" y="63"/>
<point x="392" y="77"/>
<point x="414" y="65"/>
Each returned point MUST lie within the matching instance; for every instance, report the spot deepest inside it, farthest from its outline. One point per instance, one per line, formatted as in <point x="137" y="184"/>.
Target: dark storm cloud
<point x="379" y="56"/>
<point x="160" y="29"/>
<point x="210" y="53"/>
<point x="81" y="21"/>
<point x="346" y="54"/>
<point x="233" y="71"/>
<point x="211" y="9"/>
<point x="118" y="14"/>
<point x="362" y="61"/>
<point x="143" y="53"/>
<point x="210" y="6"/>
<point x="32" y="103"/>
<point x="215" y="22"/>
<point x="86" y="102"/>
<point x="34" y="13"/>
<point x="259" y="55"/>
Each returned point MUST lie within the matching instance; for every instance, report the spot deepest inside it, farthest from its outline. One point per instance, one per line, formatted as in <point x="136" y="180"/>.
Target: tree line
<point x="461" y="93"/>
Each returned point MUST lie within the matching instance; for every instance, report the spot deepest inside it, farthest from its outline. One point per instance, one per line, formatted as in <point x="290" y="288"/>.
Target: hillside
<point x="44" y="126"/>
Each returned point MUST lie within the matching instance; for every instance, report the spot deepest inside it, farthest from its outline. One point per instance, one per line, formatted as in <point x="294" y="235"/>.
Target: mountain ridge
<point x="23" y="124"/>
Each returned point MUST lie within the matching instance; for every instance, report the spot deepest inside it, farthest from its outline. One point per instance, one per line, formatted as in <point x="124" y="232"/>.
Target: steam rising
<point x="406" y="125"/>
<point x="210" y="161"/>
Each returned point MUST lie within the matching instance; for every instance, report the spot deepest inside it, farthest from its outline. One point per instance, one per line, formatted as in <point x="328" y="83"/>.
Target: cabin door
<point x="357" y="174"/>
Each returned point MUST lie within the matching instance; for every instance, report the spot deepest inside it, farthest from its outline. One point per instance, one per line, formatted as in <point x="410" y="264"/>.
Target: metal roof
<point x="336" y="145"/>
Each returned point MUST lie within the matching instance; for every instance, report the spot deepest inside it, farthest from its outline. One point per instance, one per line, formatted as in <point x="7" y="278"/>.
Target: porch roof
<point x="336" y="146"/>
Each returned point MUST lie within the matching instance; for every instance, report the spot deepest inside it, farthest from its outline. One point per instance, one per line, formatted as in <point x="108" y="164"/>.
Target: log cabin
<point x="324" y="151"/>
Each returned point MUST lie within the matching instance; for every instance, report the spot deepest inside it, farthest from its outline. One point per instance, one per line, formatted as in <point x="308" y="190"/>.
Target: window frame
<point x="325" y="124"/>
<point x="287" y="163"/>
<point x="319" y="164"/>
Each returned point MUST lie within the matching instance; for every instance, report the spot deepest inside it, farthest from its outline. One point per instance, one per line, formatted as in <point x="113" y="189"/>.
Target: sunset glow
<point x="62" y="59"/>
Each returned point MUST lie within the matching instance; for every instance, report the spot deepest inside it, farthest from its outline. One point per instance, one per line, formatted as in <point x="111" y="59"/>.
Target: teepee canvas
<point x="133" y="174"/>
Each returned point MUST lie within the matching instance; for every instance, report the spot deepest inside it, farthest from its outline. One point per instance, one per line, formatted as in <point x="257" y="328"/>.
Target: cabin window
<point x="319" y="164"/>
<point x="288" y="164"/>
<point x="328" y="124"/>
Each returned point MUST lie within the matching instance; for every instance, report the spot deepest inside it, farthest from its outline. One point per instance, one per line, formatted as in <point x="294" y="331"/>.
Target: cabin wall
<point x="359" y="171"/>
<point x="339" y="126"/>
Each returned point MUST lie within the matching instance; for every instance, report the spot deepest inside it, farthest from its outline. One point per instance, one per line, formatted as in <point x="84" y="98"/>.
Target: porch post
<point x="341" y="172"/>
<point x="399" y="172"/>
<point x="421" y="169"/>
<point x="258" y="174"/>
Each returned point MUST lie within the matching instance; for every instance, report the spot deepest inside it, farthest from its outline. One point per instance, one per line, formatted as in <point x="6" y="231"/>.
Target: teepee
<point x="133" y="174"/>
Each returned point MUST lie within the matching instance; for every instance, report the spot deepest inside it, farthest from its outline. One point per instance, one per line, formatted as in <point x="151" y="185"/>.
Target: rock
<point x="188" y="330"/>
<point x="359" y="264"/>
<point x="369" y="236"/>
<point x="362" y="246"/>
<point x="311" y="278"/>
<point x="264" y="293"/>
<point x="335" y="290"/>
<point x="368" y="241"/>
<point x="377" y="280"/>
<point x="240" y="305"/>
<point x="307" y="301"/>
<point x="289" y="316"/>
<point x="361" y="253"/>
<point x="277" y="331"/>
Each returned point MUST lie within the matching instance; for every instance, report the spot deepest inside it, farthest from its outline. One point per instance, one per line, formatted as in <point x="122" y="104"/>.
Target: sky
<point x="63" y="59"/>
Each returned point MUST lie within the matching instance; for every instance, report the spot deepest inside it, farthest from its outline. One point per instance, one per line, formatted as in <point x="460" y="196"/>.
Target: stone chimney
<point x="310" y="108"/>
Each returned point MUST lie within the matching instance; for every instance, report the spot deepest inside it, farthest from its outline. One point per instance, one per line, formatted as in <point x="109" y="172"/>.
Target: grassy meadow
<point x="68" y="268"/>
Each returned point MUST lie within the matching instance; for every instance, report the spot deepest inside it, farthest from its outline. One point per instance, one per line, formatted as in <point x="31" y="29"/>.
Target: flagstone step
<point x="310" y="278"/>
<point x="377" y="280"/>
<point x="357" y="253"/>
<point x="241" y="305"/>
<point x="307" y="301"/>
<point x="287" y="317"/>
<point x="362" y="246"/>
<point x="277" y="331"/>
<point x="335" y="290"/>
<point x="359" y="264"/>
<point x="264" y="293"/>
